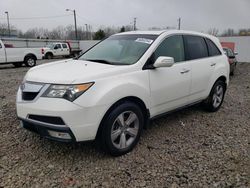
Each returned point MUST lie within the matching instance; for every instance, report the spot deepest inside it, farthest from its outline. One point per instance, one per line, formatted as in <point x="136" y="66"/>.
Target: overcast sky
<point x="199" y="15"/>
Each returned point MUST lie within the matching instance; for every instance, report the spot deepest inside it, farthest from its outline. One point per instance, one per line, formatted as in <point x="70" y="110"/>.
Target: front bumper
<point x="45" y="130"/>
<point x="81" y="122"/>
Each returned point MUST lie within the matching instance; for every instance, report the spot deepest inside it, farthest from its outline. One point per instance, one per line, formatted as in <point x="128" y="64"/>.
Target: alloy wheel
<point x="125" y="130"/>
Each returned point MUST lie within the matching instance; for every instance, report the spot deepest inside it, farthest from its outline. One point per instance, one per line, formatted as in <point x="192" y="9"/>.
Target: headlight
<point x="69" y="92"/>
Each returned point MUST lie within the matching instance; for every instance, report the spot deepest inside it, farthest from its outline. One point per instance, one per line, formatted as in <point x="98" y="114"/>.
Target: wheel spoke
<point x="214" y="100"/>
<point x="132" y="117"/>
<point x="122" y="141"/>
<point x="218" y="99"/>
<point x="120" y="120"/>
<point x="115" y="134"/>
<point x="132" y="132"/>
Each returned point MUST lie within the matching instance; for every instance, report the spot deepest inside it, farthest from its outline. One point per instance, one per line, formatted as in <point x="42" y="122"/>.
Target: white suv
<point x="111" y="92"/>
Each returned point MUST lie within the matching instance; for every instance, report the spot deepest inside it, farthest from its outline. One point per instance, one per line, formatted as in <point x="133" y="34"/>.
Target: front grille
<point x="29" y="96"/>
<point x="47" y="119"/>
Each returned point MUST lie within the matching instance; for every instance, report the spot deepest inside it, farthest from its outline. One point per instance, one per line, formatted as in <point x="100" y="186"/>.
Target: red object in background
<point x="8" y="45"/>
<point x="230" y="45"/>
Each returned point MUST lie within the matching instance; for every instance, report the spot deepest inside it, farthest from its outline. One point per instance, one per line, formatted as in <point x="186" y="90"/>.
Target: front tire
<point x="216" y="97"/>
<point x="121" y="129"/>
<point x="30" y="61"/>
<point x="49" y="56"/>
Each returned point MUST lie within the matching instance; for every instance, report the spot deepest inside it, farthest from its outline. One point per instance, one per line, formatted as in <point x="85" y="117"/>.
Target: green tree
<point x="99" y="35"/>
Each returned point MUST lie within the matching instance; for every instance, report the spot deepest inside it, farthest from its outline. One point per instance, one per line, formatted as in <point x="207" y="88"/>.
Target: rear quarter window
<point x="195" y="47"/>
<point x="212" y="48"/>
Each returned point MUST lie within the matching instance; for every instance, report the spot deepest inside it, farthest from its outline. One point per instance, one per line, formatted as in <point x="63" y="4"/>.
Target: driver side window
<point x="172" y="47"/>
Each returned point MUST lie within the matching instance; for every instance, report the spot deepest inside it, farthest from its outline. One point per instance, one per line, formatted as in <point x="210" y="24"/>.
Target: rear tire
<point x="216" y="97"/>
<point x="233" y="69"/>
<point x="121" y="129"/>
<point x="30" y="61"/>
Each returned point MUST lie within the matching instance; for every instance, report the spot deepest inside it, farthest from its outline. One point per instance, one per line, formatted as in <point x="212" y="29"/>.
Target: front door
<point x="170" y="86"/>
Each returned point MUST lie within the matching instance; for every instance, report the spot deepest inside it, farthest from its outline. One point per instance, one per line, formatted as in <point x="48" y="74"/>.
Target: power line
<point x="44" y="17"/>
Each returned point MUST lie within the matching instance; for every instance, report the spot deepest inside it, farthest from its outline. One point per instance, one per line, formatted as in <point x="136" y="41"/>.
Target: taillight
<point x="42" y="51"/>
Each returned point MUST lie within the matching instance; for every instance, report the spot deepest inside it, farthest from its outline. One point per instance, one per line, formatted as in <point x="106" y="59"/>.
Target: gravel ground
<point x="189" y="148"/>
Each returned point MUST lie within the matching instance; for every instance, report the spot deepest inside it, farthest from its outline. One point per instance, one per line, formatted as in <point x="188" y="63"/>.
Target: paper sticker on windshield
<point x="144" y="40"/>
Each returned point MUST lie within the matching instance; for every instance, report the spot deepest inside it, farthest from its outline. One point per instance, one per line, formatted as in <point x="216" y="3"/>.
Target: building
<point x="242" y="46"/>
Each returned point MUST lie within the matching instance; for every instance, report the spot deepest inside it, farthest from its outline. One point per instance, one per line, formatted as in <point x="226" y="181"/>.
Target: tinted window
<point x="64" y="45"/>
<point x="172" y="47"/>
<point x="195" y="47"/>
<point x="212" y="48"/>
<point x="0" y="45"/>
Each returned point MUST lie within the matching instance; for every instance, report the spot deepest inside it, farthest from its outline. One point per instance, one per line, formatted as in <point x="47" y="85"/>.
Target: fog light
<point x="59" y="134"/>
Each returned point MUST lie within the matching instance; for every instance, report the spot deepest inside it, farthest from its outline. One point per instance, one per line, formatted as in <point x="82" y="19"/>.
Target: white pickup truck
<point x="18" y="55"/>
<point x="62" y="49"/>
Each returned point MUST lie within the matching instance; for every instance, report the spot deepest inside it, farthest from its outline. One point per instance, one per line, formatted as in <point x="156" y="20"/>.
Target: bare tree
<point x="213" y="31"/>
<point x="4" y="31"/>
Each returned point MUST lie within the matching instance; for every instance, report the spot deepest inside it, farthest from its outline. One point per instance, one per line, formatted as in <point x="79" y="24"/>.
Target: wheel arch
<point x="132" y="99"/>
<point x="222" y="78"/>
<point x="30" y="55"/>
<point x="49" y="52"/>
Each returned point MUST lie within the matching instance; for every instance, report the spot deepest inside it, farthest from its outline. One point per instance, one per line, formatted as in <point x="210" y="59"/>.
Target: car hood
<point x="69" y="72"/>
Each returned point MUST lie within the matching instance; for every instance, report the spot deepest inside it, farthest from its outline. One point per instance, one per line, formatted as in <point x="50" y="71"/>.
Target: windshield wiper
<point x="100" y="61"/>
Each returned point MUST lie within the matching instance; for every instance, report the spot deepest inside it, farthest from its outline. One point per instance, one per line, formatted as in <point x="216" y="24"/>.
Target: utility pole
<point x="74" y="21"/>
<point x="87" y="34"/>
<point x="8" y="21"/>
<point x="179" y="24"/>
<point x="90" y="35"/>
<point x="135" y="24"/>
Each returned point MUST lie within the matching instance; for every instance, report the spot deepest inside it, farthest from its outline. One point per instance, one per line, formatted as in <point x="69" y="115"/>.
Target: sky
<point x="197" y="15"/>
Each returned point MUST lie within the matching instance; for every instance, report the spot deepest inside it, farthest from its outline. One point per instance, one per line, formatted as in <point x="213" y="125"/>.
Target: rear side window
<point x="212" y="48"/>
<point x="172" y="47"/>
<point x="195" y="47"/>
<point x="64" y="45"/>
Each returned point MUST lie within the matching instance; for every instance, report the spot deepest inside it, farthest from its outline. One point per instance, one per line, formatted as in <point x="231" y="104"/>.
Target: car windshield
<point x="51" y="46"/>
<point x="119" y="49"/>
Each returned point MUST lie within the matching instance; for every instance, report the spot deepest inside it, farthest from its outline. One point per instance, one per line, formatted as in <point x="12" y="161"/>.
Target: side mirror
<point x="235" y="53"/>
<point x="163" y="61"/>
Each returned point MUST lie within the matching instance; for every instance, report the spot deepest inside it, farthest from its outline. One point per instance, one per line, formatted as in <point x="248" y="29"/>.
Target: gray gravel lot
<point x="189" y="148"/>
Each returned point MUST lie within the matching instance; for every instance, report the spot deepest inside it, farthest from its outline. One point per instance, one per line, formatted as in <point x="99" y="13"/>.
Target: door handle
<point x="184" y="71"/>
<point x="213" y="64"/>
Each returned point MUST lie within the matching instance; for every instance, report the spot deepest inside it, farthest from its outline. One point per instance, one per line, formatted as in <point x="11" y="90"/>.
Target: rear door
<point x="202" y="65"/>
<point x="170" y="85"/>
<point x="65" y="49"/>
<point x="2" y="53"/>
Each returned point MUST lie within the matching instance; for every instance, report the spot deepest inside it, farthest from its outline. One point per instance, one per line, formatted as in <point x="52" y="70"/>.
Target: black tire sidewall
<point x="26" y="61"/>
<point x="49" y="56"/>
<point x="107" y="126"/>
<point x="209" y="102"/>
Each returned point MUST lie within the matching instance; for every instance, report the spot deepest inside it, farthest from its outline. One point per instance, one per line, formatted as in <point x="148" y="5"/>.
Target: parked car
<point x="19" y="56"/>
<point x="59" y="50"/>
<point x="231" y="59"/>
<point x="110" y="93"/>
